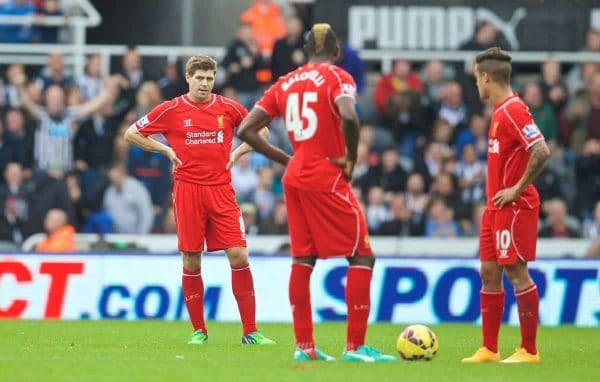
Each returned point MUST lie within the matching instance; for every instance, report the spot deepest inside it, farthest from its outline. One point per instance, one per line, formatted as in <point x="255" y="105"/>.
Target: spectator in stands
<point x="241" y="62"/>
<point x="9" y="150"/>
<point x="266" y="23"/>
<point x="399" y="80"/>
<point x="14" y="204"/>
<point x="440" y="220"/>
<point x="541" y="111"/>
<point x="433" y="77"/>
<point x="11" y="93"/>
<point x="399" y="223"/>
<point x="248" y="211"/>
<point x="587" y="170"/>
<point x="18" y="138"/>
<point x="288" y="52"/>
<point x="452" y="107"/>
<point x="94" y="140"/>
<point x="244" y="179"/>
<point x="76" y="198"/>
<point x="49" y="191"/>
<point x="584" y="114"/>
<point x="416" y="201"/>
<point x="430" y="164"/>
<point x="553" y="87"/>
<point x="404" y="117"/>
<point x="351" y="62"/>
<point x="90" y="84"/>
<point x="133" y="75"/>
<point x="16" y="33"/>
<point x="388" y="174"/>
<point x="485" y="36"/>
<point x="172" y="83"/>
<point x="591" y="225"/>
<point x="128" y="202"/>
<point x="476" y="136"/>
<point x="558" y="224"/>
<point x="465" y="76"/>
<point x="548" y="184"/>
<point x="443" y="133"/>
<point x="377" y="211"/>
<point x="276" y="223"/>
<point x="362" y="165"/>
<point x="61" y="235"/>
<point x="594" y="250"/>
<point x="56" y="124"/>
<point x="121" y="146"/>
<point x="264" y="198"/>
<point x="444" y="187"/>
<point x="471" y="174"/>
<point x="47" y="34"/>
<point x="54" y="73"/>
<point x="579" y="74"/>
<point x="473" y="228"/>
<point x="147" y="97"/>
<point x="154" y="171"/>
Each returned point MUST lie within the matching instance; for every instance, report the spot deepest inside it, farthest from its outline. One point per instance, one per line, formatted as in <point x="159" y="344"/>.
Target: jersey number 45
<point x="294" y="115"/>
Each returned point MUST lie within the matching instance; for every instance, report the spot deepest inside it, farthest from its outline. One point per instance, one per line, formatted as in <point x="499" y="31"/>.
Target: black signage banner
<point x="527" y="25"/>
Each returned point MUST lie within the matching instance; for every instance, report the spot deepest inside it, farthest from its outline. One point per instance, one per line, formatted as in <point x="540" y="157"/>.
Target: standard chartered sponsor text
<point x="203" y="137"/>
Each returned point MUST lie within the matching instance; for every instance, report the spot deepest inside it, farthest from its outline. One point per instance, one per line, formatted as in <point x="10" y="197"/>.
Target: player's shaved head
<point x="200" y="62"/>
<point x="321" y="41"/>
<point x="496" y="63"/>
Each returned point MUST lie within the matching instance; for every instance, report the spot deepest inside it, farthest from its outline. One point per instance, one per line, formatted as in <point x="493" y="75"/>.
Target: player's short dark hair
<point x="200" y="62"/>
<point x="321" y="40"/>
<point x="496" y="62"/>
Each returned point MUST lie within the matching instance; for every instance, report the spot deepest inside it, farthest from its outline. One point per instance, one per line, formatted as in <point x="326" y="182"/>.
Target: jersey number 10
<point x="294" y="116"/>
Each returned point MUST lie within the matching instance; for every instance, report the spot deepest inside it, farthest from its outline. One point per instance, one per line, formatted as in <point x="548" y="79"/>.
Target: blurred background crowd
<point x="421" y="166"/>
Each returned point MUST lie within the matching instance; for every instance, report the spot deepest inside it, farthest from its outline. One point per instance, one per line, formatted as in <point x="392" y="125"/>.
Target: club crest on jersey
<point x="220" y="120"/>
<point x="187" y="122"/>
<point x="494" y="128"/>
<point x="530" y="131"/>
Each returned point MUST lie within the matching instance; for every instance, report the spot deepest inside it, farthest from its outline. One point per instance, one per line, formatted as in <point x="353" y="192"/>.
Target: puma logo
<point x="508" y="28"/>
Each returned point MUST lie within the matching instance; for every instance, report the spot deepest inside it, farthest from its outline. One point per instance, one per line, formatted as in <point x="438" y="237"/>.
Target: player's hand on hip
<point x="505" y="196"/>
<point x="175" y="161"/>
<point x="231" y="161"/>
<point x="345" y="164"/>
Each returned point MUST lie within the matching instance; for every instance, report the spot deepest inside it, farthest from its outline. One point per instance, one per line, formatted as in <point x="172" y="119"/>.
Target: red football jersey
<point x="511" y="135"/>
<point x="200" y="134"/>
<point x="305" y="98"/>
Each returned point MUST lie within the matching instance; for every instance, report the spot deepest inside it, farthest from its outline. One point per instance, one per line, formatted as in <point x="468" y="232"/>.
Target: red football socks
<point x="193" y="293"/>
<point x="358" y="301"/>
<point x="242" y="285"/>
<point x="528" y="302"/>
<point x="299" y="293"/>
<point x="492" y="307"/>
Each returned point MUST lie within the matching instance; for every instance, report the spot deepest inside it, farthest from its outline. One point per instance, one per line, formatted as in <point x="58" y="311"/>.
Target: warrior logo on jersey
<point x="187" y="122"/>
<point x="530" y="131"/>
<point x="220" y="120"/>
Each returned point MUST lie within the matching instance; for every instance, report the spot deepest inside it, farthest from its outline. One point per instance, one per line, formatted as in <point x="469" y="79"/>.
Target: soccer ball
<point x="417" y="342"/>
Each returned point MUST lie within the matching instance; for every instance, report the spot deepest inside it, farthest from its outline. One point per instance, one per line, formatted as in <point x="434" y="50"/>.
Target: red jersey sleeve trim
<point x="541" y="138"/>
<point x="140" y="128"/>
<point x="263" y="109"/>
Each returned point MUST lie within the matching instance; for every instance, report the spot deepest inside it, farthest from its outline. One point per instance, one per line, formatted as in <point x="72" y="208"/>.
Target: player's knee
<point x="238" y="256"/>
<point x="191" y="260"/>
<point x="518" y="277"/>
<point x="491" y="277"/>
<point x="364" y="261"/>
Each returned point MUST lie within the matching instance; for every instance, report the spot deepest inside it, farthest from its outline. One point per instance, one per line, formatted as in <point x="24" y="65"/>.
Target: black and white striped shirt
<point x="53" y="144"/>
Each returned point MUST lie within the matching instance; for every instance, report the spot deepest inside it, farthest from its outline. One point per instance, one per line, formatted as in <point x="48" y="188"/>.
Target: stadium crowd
<point x="421" y="166"/>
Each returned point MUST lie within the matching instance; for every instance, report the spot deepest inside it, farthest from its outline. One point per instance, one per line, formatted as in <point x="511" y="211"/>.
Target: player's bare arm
<point x="108" y="93"/>
<point x="19" y="82"/>
<point x="245" y="148"/>
<point x="539" y="156"/>
<point x="249" y="133"/>
<point x="135" y="138"/>
<point x="350" y="127"/>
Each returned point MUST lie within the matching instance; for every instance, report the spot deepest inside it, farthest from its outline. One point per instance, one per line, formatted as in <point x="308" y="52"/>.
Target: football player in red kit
<point x="199" y="128"/>
<point x="317" y="102"/>
<point x="517" y="154"/>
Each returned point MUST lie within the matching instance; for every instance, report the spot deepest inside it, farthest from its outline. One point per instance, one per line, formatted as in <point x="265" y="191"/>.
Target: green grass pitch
<point x="157" y="351"/>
